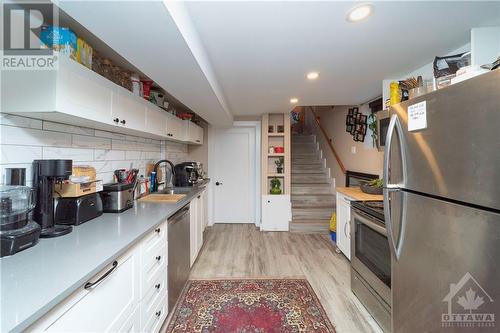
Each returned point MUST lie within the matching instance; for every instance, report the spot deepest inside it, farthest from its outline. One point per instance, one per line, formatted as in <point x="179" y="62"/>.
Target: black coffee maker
<point x="185" y="174"/>
<point x="46" y="174"/>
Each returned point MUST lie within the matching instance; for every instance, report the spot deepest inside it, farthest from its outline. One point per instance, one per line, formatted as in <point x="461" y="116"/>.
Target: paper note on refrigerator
<point x="417" y="116"/>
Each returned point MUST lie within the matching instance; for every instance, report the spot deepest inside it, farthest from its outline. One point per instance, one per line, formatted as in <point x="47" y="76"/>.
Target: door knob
<point x="218" y="183"/>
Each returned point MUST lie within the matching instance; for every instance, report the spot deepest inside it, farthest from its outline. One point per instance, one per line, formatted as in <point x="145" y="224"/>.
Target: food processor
<point x="17" y="231"/>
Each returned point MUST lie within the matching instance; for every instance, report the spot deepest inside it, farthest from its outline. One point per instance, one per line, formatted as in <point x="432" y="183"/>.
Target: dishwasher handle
<point x="179" y="215"/>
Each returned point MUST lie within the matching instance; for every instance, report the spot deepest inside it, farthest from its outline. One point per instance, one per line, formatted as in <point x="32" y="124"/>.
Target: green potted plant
<point x="275" y="186"/>
<point x="279" y="164"/>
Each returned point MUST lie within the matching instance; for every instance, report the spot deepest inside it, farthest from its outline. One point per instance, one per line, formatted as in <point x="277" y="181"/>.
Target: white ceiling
<point x="261" y="51"/>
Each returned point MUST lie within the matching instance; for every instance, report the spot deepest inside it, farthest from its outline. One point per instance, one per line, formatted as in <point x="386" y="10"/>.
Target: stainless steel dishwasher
<point x="178" y="254"/>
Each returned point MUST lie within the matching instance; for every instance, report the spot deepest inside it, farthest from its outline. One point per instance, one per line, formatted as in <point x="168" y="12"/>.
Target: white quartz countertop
<point x="33" y="281"/>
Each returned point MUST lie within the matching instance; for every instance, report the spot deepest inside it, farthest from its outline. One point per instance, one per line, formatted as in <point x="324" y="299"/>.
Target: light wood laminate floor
<point x="241" y="250"/>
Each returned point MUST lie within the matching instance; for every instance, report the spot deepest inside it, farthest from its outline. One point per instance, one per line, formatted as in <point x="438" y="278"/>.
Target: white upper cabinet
<point x="194" y="133"/>
<point x="175" y="128"/>
<point x="128" y="110"/>
<point x="156" y="121"/>
<point x="75" y="95"/>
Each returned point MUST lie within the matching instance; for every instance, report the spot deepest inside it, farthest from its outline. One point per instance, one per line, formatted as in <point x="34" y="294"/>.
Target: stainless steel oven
<point x="371" y="265"/>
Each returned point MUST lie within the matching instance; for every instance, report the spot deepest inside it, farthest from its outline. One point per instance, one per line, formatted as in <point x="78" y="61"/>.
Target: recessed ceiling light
<point x="294" y="100"/>
<point x="312" y="75"/>
<point x="360" y="12"/>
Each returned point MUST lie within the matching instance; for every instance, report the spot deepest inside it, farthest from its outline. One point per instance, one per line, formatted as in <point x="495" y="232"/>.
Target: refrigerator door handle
<point x="394" y="124"/>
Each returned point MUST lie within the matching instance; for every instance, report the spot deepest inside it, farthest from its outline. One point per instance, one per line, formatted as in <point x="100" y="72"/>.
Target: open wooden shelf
<point x="276" y="134"/>
<point x="275" y="154"/>
<point x="277" y="175"/>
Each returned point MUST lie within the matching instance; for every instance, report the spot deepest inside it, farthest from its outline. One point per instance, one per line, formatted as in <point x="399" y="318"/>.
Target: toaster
<point x="117" y="197"/>
<point x="75" y="211"/>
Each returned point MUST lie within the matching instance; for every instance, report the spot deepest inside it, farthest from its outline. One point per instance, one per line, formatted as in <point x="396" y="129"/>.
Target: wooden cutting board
<point x="166" y="198"/>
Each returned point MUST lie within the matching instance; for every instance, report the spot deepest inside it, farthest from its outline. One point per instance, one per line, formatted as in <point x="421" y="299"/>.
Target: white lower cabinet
<point x="131" y="298"/>
<point x="344" y="224"/>
<point x="197" y="224"/>
<point x="103" y="307"/>
<point x="276" y="212"/>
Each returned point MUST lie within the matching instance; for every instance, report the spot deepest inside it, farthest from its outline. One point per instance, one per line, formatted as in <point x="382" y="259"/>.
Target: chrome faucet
<point x="155" y="169"/>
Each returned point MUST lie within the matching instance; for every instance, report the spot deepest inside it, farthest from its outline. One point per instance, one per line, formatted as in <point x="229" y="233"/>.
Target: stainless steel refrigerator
<point x="442" y="208"/>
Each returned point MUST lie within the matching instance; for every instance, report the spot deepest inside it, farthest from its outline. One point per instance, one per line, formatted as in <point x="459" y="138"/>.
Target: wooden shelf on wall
<point x="276" y="134"/>
<point x="277" y="175"/>
<point x="276" y="154"/>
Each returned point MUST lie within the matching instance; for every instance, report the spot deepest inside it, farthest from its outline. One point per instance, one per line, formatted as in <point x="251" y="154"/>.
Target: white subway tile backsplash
<point x="24" y="140"/>
<point x="50" y="126"/>
<point x="106" y="177"/>
<point x="110" y="135"/>
<point x="84" y="141"/>
<point x="77" y="155"/>
<point x="108" y="155"/>
<point x="13" y="120"/>
<point x="100" y="167"/>
<point x="135" y="155"/>
<point x="34" y="137"/>
<point x="20" y="154"/>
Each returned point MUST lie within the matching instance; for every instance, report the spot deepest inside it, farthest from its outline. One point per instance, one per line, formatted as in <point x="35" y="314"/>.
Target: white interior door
<point x="234" y="175"/>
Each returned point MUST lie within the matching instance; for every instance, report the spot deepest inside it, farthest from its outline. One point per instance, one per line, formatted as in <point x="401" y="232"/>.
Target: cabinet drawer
<point x="152" y="263"/>
<point x="152" y="319"/>
<point x="155" y="236"/>
<point x="157" y="290"/>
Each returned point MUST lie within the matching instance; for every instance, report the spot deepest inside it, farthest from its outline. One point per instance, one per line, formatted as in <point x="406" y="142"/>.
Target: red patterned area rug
<point x="249" y="306"/>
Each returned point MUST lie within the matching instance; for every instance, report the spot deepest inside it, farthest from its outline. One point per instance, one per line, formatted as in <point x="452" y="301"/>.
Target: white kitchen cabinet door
<point x="276" y="212"/>
<point x="193" y="226"/>
<point x="128" y="111"/>
<point x="204" y="200"/>
<point x="81" y="92"/>
<point x="107" y="305"/>
<point x="343" y="224"/>
<point x="194" y="133"/>
<point x="156" y="121"/>
<point x="175" y="128"/>
<point x="199" y="222"/>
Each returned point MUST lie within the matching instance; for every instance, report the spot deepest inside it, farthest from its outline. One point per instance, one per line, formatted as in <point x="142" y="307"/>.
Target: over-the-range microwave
<point x="383" y="119"/>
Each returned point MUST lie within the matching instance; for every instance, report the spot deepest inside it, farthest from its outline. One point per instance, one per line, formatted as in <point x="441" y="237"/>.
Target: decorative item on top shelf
<point x="275" y="186"/>
<point x="271" y="150"/>
<point x="279" y="164"/>
<point x="270" y="129"/>
<point x="281" y="129"/>
<point x="279" y="150"/>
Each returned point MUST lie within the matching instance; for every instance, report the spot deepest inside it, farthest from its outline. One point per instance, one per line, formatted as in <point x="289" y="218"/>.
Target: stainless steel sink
<point x="176" y="190"/>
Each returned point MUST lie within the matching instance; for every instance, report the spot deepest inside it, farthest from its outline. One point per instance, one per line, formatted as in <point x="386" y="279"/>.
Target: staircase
<point x="313" y="201"/>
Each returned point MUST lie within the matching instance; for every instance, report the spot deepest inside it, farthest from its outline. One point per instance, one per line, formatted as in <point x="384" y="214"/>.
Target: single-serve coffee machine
<point x="187" y="174"/>
<point x="46" y="174"/>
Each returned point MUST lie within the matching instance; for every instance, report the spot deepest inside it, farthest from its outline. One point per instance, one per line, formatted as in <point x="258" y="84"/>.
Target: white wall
<point x="366" y="159"/>
<point x="24" y="139"/>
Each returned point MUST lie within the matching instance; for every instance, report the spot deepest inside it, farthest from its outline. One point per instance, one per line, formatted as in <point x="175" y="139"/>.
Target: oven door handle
<point x="363" y="218"/>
